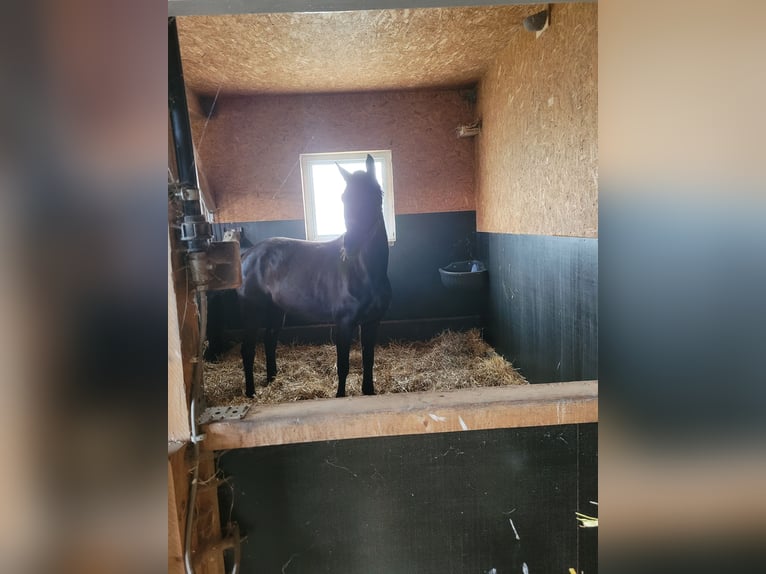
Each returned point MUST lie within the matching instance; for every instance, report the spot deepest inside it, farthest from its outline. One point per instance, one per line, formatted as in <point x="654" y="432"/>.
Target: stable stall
<point x="488" y="117"/>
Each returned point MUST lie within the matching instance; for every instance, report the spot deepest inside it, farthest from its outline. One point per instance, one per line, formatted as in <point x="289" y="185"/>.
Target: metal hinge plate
<point x="215" y="414"/>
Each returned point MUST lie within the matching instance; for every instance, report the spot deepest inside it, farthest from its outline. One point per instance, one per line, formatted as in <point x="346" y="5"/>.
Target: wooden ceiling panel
<point x="344" y="51"/>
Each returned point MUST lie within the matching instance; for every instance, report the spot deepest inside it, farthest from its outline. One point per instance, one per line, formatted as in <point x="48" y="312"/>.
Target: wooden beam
<point x="208" y="552"/>
<point x="178" y="410"/>
<point x="407" y="414"/>
<point x="177" y="495"/>
<point x="183" y="345"/>
<point x="200" y="7"/>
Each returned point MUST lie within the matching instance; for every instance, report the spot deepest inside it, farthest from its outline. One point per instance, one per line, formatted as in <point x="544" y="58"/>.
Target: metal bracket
<point x="215" y="414"/>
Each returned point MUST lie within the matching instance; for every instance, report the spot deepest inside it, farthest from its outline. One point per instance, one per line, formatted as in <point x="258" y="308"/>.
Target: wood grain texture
<point x="178" y="412"/>
<point x="537" y="155"/>
<point x="207" y="554"/>
<point x="406" y="414"/>
<point x="176" y="512"/>
<point x="250" y="148"/>
<point x="183" y="344"/>
<point x="344" y="51"/>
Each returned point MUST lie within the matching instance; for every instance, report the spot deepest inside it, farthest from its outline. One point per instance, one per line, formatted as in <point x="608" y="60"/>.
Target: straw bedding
<point x="452" y="360"/>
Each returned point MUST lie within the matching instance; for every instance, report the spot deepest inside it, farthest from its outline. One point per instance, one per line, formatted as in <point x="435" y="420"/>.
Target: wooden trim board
<point x="407" y="414"/>
<point x="204" y="7"/>
<point x="178" y="410"/>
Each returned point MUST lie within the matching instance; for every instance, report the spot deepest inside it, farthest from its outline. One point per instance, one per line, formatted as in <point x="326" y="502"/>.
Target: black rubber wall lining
<point x="542" y="311"/>
<point x="440" y="503"/>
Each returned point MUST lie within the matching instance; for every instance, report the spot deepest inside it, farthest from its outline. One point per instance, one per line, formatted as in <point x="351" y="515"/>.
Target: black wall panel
<point x="540" y="310"/>
<point x="543" y="304"/>
<point x="587" y="478"/>
<point x="438" y="503"/>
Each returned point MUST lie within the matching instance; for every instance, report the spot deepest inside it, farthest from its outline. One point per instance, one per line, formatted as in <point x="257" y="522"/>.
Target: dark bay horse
<point x="344" y="281"/>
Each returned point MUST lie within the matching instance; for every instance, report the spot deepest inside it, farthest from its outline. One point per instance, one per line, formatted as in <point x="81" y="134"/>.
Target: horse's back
<point x="312" y="280"/>
<point x="293" y="274"/>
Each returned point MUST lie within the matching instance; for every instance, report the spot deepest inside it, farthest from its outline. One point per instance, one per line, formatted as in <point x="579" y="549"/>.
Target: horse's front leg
<point x="343" y="346"/>
<point x="369" y="334"/>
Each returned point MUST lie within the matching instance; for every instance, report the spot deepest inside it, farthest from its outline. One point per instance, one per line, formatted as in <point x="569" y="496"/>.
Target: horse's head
<point x="363" y="198"/>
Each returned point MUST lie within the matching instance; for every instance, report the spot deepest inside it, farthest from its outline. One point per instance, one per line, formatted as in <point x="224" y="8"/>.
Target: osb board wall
<point x="251" y="145"/>
<point x="537" y="155"/>
<point x="346" y="51"/>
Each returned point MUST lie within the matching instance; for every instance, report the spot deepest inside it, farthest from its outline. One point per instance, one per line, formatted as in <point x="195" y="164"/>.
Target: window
<point x="323" y="186"/>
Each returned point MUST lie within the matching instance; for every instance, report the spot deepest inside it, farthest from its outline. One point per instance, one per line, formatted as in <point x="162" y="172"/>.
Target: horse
<point x="343" y="281"/>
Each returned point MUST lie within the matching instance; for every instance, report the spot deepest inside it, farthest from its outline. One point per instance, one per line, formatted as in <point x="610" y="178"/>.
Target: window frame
<point x="387" y="185"/>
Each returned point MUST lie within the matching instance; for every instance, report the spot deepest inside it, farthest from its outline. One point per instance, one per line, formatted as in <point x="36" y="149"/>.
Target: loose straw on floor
<point x="452" y="360"/>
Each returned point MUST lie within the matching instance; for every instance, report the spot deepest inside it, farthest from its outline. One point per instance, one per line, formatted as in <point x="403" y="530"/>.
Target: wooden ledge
<point x="407" y="414"/>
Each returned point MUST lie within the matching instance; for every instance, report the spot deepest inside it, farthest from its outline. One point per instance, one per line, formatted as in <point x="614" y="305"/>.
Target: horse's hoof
<point x="368" y="393"/>
<point x="339" y="395"/>
<point x="250" y="395"/>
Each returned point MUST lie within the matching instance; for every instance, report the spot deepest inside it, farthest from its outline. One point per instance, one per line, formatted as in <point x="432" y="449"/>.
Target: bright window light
<point x="323" y="186"/>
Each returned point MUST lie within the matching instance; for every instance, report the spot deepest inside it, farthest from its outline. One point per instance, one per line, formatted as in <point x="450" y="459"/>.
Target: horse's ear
<point x="346" y="175"/>
<point x="370" y="163"/>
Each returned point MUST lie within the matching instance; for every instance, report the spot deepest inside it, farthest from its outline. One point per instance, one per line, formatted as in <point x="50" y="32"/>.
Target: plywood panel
<point x="537" y="155"/>
<point x="250" y="147"/>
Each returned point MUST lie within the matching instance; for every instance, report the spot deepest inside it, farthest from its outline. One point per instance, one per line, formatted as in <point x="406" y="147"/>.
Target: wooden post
<point x="183" y="345"/>
<point x="178" y="409"/>
<point x="177" y="495"/>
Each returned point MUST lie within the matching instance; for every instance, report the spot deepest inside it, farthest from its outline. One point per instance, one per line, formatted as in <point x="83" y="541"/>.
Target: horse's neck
<point x="369" y="245"/>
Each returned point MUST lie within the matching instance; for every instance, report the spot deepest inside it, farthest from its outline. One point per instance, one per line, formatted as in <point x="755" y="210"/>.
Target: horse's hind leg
<point x="248" y="348"/>
<point x="369" y="334"/>
<point x="248" y="356"/>
<point x="343" y="347"/>
<point x="214" y="326"/>
<point x="274" y="321"/>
